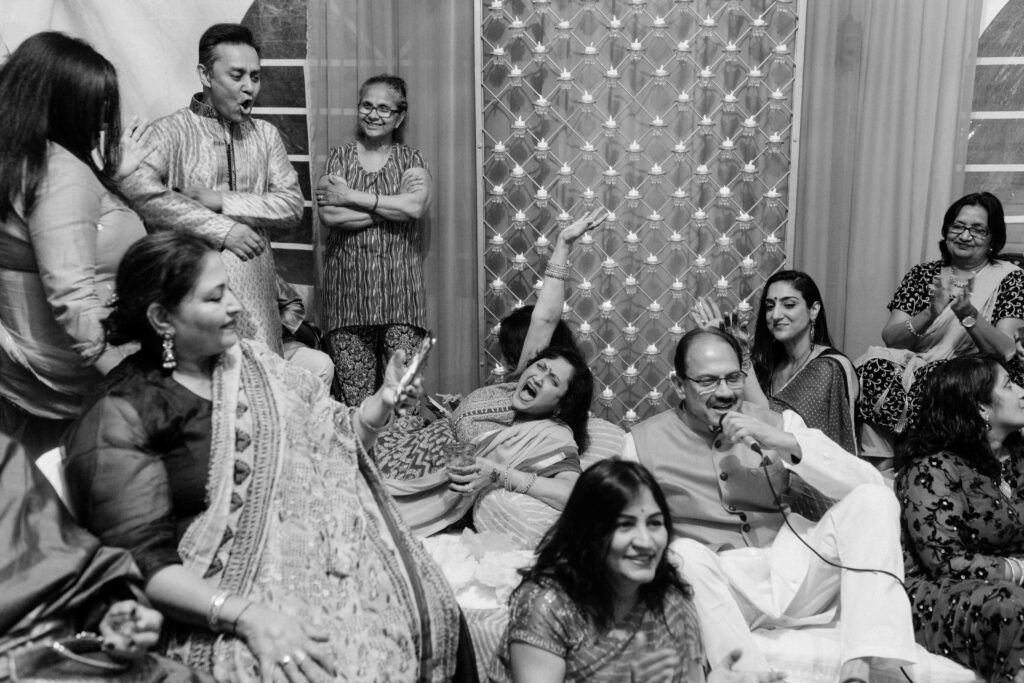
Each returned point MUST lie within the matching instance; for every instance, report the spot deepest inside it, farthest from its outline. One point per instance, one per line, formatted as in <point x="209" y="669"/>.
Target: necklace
<point x="962" y="284"/>
<point x="791" y="375"/>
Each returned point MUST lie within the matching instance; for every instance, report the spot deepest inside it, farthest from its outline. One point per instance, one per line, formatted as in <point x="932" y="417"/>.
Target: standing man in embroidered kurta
<point x="724" y="465"/>
<point x="214" y="170"/>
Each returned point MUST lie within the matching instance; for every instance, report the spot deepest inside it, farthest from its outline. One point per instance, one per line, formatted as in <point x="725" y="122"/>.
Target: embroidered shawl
<point x="298" y="519"/>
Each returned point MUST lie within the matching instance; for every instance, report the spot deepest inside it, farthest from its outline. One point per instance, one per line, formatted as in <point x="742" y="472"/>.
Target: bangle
<point x="508" y="478"/>
<point x="529" y="484"/>
<point x="910" y="328"/>
<point x="556" y="271"/>
<point x="213" y="613"/>
<point x="376" y="429"/>
<point x="234" y="623"/>
<point x="376" y="201"/>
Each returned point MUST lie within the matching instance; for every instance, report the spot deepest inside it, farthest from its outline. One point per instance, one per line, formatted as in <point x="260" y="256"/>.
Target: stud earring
<point x="170" y="360"/>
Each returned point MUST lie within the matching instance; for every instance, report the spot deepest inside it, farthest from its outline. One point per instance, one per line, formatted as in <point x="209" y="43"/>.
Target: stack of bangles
<point x="376" y="429"/>
<point x="1016" y="566"/>
<point x="512" y="489"/>
<point x="213" y="613"/>
<point x="558" y="271"/>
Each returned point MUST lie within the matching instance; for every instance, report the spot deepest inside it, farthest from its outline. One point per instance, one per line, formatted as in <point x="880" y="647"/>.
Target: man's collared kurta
<point x="248" y="164"/>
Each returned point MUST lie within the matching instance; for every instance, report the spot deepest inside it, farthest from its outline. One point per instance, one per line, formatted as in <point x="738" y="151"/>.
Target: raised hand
<point x="133" y="152"/>
<point x="707" y="314"/>
<point x="589" y="221"/>
<point x="392" y="377"/>
<point x="939" y="295"/>
<point x="961" y="303"/>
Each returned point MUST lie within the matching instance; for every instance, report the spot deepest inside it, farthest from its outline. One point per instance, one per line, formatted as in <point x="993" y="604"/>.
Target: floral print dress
<point x="958" y="526"/>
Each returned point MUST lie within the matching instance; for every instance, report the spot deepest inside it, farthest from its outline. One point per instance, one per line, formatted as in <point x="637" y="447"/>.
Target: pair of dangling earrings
<point x="169" y="358"/>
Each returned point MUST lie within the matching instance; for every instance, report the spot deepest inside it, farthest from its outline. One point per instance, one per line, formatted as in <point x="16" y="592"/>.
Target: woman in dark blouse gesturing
<point x="959" y="483"/>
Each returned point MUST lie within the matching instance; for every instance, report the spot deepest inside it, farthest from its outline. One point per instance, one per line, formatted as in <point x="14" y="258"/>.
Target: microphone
<point x="752" y="444"/>
<point x="749" y="441"/>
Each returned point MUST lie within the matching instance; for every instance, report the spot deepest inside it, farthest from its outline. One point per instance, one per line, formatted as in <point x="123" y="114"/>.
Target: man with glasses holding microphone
<point x="725" y="465"/>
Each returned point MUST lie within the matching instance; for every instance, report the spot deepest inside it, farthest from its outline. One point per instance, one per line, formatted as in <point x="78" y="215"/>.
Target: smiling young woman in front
<point x="603" y="602"/>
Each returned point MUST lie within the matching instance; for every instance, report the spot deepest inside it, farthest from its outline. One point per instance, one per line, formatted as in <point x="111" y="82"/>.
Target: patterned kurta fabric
<point x="546" y="618"/>
<point x="248" y="164"/>
<point x="374" y="276"/>
<point x="957" y="529"/>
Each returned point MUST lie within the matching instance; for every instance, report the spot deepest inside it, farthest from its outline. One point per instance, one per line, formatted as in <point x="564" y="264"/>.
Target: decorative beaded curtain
<point x="675" y="115"/>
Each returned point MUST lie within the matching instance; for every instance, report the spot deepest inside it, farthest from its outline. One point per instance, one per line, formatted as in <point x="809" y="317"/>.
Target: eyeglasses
<point x="707" y="384"/>
<point x="383" y="110"/>
<point x="975" y="231"/>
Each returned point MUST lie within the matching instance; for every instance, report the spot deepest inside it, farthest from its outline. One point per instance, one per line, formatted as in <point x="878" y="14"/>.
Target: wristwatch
<point x="968" y="321"/>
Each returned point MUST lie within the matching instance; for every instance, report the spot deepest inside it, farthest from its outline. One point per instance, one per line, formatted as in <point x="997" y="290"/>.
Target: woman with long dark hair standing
<point x="63" y="229"/>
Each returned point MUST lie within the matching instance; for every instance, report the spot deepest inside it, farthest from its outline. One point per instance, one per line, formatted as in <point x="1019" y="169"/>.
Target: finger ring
<point x="285" y="661"/>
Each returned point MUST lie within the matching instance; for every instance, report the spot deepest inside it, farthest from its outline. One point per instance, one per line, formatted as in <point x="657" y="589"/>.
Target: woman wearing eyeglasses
<point x="371" y="197"/>
<point x="967" y="301"/>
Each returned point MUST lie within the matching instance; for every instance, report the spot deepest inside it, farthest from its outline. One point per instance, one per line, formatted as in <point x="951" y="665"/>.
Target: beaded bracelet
<point x="529" y="484"/>
<point x="910" y="328"/>
<point x="213" y="613"/>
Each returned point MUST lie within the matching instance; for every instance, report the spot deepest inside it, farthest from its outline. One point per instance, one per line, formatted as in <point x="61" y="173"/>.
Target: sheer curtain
<point x="886" y="101"/>
<point x="431" y="45"/>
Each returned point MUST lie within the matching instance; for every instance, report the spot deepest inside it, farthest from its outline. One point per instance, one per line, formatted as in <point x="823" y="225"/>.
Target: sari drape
<point x="315" y="535"/>
<point x="885" y="397"/>
<point x="946" y="337"/>
<point x="824" y="394"/>
<point x="541" y="446"/>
